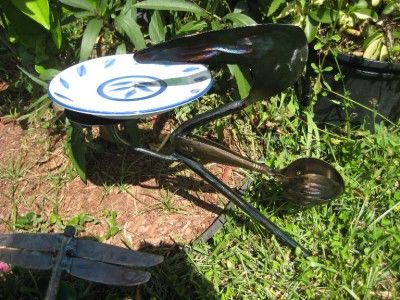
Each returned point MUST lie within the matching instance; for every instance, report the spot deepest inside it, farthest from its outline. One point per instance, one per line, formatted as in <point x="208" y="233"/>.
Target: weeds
<point x="355" y="239"/>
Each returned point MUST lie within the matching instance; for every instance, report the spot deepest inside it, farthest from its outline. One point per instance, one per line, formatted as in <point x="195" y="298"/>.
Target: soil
<point x="157" y="203"/>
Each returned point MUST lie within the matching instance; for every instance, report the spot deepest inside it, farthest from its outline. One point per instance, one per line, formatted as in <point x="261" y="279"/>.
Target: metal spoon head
<point x="310" y="181"/>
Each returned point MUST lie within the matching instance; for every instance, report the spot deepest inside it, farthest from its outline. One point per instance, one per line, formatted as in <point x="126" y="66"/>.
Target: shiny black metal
<point x="242" y="204"/>
<point x="89" y="120"/>
<point x="275" y="53"/>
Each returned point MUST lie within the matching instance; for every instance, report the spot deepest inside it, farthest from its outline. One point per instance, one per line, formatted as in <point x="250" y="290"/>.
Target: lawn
<point x="122" y="198"/>
<point x="354" y="239"/>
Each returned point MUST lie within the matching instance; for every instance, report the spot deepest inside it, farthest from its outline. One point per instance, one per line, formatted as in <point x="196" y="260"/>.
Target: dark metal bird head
<point x="275" y="53"/>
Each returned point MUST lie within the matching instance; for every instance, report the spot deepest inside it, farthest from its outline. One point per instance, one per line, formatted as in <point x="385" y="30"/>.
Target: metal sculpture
<point x="276" y="56"/>
<point x="86" y="259"/>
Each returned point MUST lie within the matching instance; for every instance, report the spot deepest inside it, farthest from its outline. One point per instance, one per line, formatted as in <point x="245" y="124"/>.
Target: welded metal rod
<point x="242" y="204"/>
<point x="206" y="117"/>
<point x="56" y="273"/>
<point x="200" y="148"/>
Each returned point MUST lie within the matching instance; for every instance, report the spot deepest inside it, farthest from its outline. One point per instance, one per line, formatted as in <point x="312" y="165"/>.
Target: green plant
<point x="112" y="225"/>
<point x="32" y="30"/>
<point x="369" y="29"/>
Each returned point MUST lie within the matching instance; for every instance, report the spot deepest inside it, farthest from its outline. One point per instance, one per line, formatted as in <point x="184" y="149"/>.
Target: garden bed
<point x="132" y="200"/>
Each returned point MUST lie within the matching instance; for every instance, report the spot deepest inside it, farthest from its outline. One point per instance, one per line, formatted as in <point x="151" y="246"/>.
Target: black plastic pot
<point x="372" y="84"/>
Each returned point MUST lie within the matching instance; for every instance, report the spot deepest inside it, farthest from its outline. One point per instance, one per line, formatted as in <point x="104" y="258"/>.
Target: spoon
<point x="305" y="181"/>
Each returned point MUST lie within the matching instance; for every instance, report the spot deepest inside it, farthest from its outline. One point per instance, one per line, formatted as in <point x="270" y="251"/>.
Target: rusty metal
<point x="86" y="259"/>
<point x="276" y="55"/>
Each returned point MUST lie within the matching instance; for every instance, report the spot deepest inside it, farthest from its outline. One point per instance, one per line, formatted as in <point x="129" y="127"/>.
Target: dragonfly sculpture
<point x="86" y="259"/>
<point x="276" y="56"/>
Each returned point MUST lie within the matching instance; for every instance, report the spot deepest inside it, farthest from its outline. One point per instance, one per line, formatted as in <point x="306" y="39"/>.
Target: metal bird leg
<point x="81" y="258"/>
<point x="276" y="56"/>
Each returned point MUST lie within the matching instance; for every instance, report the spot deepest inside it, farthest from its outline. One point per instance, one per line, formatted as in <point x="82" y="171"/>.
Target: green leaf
<point x="310" y="29"/>
<point x="361" y="4"/>
<point x="372" y="37"/>
<point x="77" y="149"/>
<point x="55" y="29"/>
<point x="239" y="19"/>
<point x="101" y="7"/>
<point x="125" y="24"/>
<point x="365" y="13"/>
<point x="54" y="218"/>
<point x="274" y="7"/>
<point x="83" y="14"/>
<point x="373" y="49"/>
<point x="82" y="4"/>
<point x="241" y="81"/>
<point x="20" y="27"/>
<point x="288" y="9"/>
<point x="37" y="10"/>
<point x="324" y="15"/>
<point x="121" y="49"/>
<point x="48" y="74"/>
<point x="33" y="77"/>
<point x="175" y="5"/>
<point x="390" y="8"/>
<point x="90" y="35"/>
<point x="192" y="26"/>
<point x="129" y="9"/>
<point x="25" y="222"/>
<point x="157" y="28"/>
<point x="112" y="225"/>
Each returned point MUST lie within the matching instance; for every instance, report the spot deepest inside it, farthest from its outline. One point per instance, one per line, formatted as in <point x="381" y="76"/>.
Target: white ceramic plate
<point x="119" y="87"/>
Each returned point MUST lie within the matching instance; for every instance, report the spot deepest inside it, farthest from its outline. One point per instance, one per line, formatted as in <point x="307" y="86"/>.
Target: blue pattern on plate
<point x="131" y="113"/>
<point x="64" y="97"/>
<point x="64" y="83"/>
<point x="81" y="70"/>
<point x="109" y="62"/>
<point x="126" y="88"/>
<point x="131" y="88"/>
<point x="190" y="69"/>
<point x="198" y="79"/>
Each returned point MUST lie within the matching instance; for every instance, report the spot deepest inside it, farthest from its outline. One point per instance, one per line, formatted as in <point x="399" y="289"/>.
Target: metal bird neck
<point x="207" y="150"/>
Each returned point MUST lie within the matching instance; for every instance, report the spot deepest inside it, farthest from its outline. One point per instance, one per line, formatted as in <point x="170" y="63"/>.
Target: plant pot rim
<point x="368" y="64"/>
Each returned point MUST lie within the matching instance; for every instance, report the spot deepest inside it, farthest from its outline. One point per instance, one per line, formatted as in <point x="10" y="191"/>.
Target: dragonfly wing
<point x="115" y="255"/>
<point x="31" y="241"/>
<point x="105" y="273"/>
<point x="27" y="259"/>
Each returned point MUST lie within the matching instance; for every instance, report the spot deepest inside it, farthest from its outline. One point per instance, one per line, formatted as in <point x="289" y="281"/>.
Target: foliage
<point x="370" y="29"/>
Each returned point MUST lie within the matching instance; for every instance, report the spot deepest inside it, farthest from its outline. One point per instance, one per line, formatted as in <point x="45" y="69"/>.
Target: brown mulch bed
<point x="156" y="203"/>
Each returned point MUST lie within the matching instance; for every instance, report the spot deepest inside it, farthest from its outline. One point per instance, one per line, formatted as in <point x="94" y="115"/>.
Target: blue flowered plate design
<point x="119" y="87"/>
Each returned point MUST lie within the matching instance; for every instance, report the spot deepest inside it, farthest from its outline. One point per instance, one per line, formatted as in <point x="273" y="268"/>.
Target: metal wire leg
<point x="227" y="109"/>
<point x="242" y="204"/>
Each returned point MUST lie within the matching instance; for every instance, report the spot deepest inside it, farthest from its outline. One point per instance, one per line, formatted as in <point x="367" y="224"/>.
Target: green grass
<point x="355" y="239"/>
